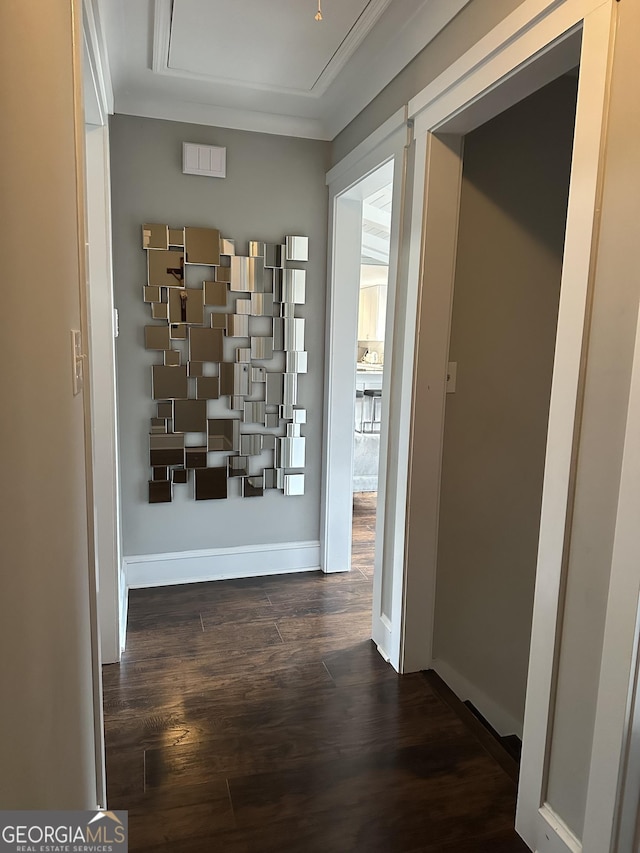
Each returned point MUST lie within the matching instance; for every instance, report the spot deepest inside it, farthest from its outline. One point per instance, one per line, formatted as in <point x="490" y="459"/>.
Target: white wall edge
<point x="98" y="56"/>
<point x="124" y="608"/>
<point x="148" y="570"/>
<point x="192" y="112"/>
<point x="501" y="720"/>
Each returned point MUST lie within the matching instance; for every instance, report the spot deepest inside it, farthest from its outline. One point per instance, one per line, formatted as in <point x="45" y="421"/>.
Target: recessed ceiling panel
<point x="284" y="47"/>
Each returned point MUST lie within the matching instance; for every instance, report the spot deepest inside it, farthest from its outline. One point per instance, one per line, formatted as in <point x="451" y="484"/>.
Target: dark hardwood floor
<point x="256" y="715"/>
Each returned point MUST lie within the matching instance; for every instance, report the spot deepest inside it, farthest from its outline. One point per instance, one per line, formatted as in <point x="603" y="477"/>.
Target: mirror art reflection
<point x="228" y="350"/>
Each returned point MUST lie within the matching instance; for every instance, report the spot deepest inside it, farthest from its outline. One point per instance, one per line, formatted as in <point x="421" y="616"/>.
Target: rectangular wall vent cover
<point x="208" y="160"/>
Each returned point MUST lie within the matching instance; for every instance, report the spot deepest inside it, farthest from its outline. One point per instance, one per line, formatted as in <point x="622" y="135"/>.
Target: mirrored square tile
<point x="176" y="237"/>
<point x="252" y="487"/>
<point x="210" y="483"/>
<point x="205" y="344"/>
<point x="165" y="268"/>
<point x="180" y="475"/>
<point x="294" y="484"/>
<point x="169" y="382"/>
<point x="186" y="305"/>
<point x="202" y="246"/>
<point x="215" y="292"/>
<point x="159" y="310"/>
<point x="155" y="236"/>
<point x="156" y="337"/>
<point x="159" y="491"/>
<point x="207" y="387"/>
<point x="190" y="416"/>
<point x="195" y="457"/>
<point x="262" y="348"/>
<point x="297" y="248"/>
<point x="220" y="434"/>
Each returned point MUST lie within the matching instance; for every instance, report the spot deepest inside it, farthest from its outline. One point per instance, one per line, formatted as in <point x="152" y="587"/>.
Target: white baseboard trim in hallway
<point x="148" y="570"/>
<point x="501" y="720"/>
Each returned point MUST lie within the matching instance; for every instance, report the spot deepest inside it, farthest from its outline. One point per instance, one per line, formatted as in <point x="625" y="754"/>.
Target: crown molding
<point x="169" y="109"/>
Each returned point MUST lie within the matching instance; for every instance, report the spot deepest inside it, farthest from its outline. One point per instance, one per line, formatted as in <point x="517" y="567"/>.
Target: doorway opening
<point x="513" y="208"/>
<point x="443" y="115"/>
<point x="364" y="226"/>
<point x="372" y="312"/>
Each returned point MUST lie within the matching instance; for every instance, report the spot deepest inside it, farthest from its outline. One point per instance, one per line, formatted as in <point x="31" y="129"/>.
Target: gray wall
<point x="275" y="186"/>
<point x="470" y="25"/>
<point x="509" y="260"/>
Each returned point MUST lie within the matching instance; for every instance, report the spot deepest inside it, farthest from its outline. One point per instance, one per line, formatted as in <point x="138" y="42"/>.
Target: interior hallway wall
<point x="46" y="713"/>
<point x="507" y="284"/>
<point x="275" y="186"/>
<point x="474" y="21"/>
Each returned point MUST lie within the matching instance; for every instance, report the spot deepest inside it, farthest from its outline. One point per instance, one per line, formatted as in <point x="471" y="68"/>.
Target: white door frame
<point x="613" y="797"/>
<point x="386" y="146"/>
<point x="532" y="46"/>
<point x="98" y="102"/>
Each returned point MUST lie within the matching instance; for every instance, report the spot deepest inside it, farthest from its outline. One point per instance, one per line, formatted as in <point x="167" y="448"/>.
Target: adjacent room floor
<point x="257" y="715"/>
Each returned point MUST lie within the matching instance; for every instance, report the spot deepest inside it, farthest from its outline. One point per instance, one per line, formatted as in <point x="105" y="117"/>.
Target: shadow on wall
<point x="551" y="172"/>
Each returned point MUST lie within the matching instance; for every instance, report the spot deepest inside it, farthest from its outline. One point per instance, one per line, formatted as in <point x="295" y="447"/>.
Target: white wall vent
<point x="209" y="160"/>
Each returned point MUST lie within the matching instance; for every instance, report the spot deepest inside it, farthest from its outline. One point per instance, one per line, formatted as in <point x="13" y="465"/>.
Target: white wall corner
<point x="149" y="570"/>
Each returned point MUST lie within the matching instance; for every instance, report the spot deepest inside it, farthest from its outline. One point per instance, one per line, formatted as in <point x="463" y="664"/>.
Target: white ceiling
<point x="263" y="65"/>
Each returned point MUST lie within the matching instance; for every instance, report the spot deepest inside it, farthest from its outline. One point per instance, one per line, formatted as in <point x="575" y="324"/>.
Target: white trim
<point x="457" y="93"/>
<point x="506" y="45"/>
<point x="346" y="187"/>
<point x="501" y="720"/>
<point x="555" y="835"/>
<point x="98" y="57"/>
<point x="124" y="607"/>
<point x="564" y="413"/>
<point x="341" y="169"/>
<point x="102" y="367"/>
<point x="432" y="263"/>
<point x="161" y="35"/>
<point x="192" y="112"/>
<point x="214" y="564"/>
<point x="614" y="780"/>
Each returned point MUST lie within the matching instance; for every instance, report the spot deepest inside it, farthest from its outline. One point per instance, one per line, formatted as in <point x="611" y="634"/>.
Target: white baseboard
<point x="501" y="720"/>
<point x="146" y="570"/>
<point x="554" y="836"/>
<point x="124" y="608"/>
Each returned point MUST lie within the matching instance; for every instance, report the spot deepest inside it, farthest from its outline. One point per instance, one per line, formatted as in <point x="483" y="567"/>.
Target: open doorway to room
<point x="513" y="209"/>
<point x="365" y="208"/>
<point x="372" y="312"/>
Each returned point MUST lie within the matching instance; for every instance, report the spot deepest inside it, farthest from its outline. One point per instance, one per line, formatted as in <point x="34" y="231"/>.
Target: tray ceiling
<point x="263" y="65"/>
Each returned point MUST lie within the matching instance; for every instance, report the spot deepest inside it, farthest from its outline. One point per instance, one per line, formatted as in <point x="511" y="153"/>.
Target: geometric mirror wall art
<point x="229" y="351"/>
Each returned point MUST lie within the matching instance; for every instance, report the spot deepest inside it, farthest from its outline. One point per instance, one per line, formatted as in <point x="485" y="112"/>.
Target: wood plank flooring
<point x="256" y="715"/>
